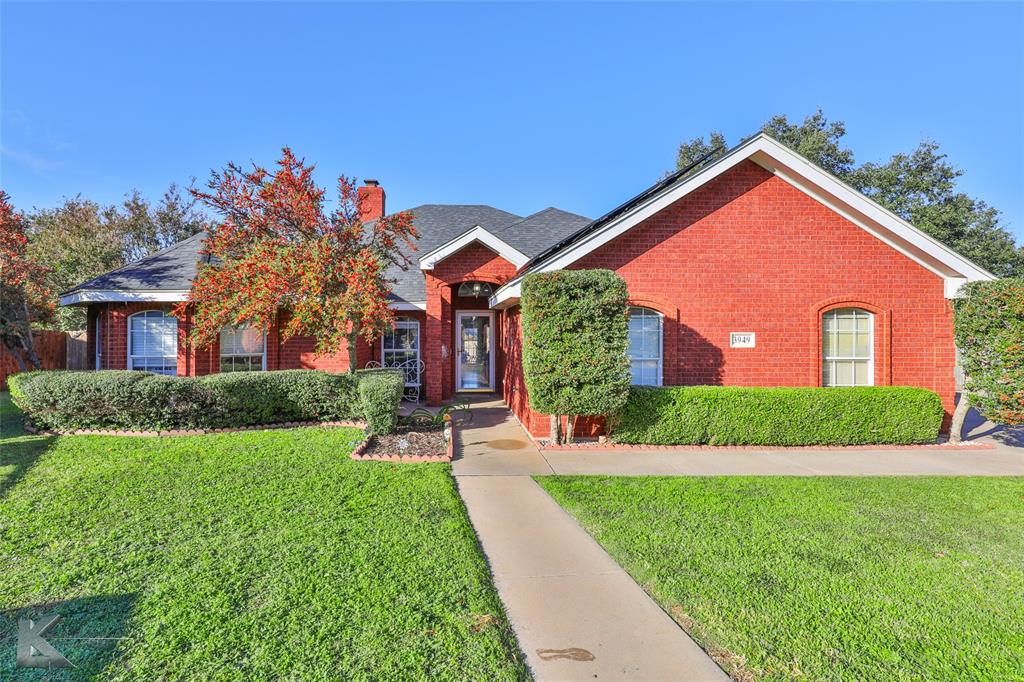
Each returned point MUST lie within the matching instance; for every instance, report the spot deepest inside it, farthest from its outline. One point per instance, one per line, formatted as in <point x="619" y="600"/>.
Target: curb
<point x="30" y="428"/>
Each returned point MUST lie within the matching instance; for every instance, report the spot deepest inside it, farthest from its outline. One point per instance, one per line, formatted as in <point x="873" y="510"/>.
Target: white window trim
<point x="221" y="354"/>
<point x="131" y="356"/>
<point x="476" y="234"/>
<point x="408" y="323"/>
<point x="661" y="346"/>
<point x="98" y="340"/>
<point x="871" y="347"/>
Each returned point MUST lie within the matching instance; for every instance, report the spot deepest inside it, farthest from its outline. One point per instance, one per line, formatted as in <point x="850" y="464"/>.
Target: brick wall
<point x="748" y="252"/>
<point x="295" y="353"/>
<point x="473" y="263"/>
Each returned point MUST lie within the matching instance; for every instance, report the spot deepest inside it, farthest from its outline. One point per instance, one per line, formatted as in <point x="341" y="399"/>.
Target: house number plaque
<point x="741" y="339"/>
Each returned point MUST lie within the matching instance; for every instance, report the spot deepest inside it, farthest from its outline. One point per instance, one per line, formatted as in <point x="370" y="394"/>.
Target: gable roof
<point x="517" y="242"/>
<point x="791" y="168"/>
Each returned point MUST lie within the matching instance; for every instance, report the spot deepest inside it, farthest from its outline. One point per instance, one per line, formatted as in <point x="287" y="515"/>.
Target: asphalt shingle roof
<point x="437" y="224"/>
<point x="170" y="269"/>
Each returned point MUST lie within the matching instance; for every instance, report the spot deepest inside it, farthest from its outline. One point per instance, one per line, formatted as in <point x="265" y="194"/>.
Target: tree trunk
<point x="27" y="340"/>
<point x="556" y="429"/>
<point x="353" y="345"/>
<point x="15" y="352"/>
<point x="959" y="415"/>
<point x="570" y="428"/>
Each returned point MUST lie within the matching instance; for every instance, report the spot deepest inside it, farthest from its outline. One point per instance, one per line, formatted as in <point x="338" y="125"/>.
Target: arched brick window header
<point x="882" y="336"/>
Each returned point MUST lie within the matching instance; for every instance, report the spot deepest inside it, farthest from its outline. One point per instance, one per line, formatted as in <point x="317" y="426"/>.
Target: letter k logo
<point x="33" y="650"/>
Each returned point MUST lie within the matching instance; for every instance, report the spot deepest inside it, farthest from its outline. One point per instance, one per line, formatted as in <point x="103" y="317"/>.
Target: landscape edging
<point x="577" y="447"/>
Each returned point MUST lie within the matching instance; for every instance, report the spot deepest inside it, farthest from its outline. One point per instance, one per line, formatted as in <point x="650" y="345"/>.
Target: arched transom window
<point x="645" y="341"/>
<point x="847" y="345"/>
<point x="153" y="342"/>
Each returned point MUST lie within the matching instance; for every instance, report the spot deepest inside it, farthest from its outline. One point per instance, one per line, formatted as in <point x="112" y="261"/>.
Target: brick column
<point x="438" y="334"/>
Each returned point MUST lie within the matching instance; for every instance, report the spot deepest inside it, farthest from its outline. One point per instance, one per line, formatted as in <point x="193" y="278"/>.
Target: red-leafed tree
<point x="277" y="247"/>
<point x="24" y="298"/>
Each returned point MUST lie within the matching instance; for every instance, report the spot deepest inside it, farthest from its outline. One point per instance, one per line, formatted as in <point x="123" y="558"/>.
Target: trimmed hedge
<point x="139" y="401"/>
<point x="380" y="392"/>
<point x="726" y="415"/>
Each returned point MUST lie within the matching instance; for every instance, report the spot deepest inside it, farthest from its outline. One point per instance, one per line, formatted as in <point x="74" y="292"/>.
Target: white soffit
<point x="122" y="296"/>
<point x="476" y="234"/>
<point x="406" y="305"/>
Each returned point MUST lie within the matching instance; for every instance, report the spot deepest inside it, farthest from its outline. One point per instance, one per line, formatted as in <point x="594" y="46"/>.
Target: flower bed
<point x="410" y="443"/>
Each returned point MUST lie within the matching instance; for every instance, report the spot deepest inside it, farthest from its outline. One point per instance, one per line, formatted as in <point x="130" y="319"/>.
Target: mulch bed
<point x="415" y="441"/>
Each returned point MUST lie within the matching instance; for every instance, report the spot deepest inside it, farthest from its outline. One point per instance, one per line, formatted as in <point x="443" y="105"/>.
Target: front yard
<point x="825" y="578"/>
<point x="248" y="556"/>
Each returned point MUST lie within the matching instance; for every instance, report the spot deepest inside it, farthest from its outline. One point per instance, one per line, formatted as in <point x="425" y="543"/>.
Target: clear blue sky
<point x="520" y="106"/>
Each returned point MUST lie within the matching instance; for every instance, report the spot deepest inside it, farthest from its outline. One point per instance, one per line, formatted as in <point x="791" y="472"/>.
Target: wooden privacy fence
<point x="54" y="349"/>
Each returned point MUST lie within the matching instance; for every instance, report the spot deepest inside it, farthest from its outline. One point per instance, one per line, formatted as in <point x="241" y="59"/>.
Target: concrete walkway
<point x="577" y="614"/>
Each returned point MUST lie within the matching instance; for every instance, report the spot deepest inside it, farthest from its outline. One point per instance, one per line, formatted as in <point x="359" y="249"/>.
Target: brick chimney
<point x="371" y="201"/>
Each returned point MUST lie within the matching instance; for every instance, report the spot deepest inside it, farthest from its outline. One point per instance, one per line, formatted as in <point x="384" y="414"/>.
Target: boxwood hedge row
<point x="129" y="400"/>
<point x="726" y="415"/>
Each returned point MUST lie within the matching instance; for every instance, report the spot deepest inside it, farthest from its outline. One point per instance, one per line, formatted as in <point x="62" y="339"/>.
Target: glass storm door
<point x="474" y="347"/>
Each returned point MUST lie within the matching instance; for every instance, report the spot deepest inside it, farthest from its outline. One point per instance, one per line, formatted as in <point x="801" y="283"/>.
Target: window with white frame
<point x="847" y="348"/>
<point x="645" y="356"/>
<point x="400" y="345"/>
<point x="153" y="342"/>
<point x="98" y="340"/>
<point x="243" y="349"/>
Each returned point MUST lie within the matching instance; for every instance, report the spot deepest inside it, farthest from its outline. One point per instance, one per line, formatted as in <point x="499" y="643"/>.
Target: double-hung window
<point x="400" y="345"/>
<point x="153" y="342"/>
<point x="645" y="343"/>
<point x="847" y="348"/>
<point x="243" y="349"/>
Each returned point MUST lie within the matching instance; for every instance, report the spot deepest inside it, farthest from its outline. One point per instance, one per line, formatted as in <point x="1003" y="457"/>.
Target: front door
<point x="474" y="348"/>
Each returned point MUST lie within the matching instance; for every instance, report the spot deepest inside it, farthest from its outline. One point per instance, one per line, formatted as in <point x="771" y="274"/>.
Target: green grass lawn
<point x="825" y="578"/>
<point x="249" y="556"/>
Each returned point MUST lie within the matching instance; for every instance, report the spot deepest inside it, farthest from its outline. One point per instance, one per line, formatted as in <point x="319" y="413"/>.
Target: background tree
<point x="575" y="335"/>
<point x="920" y="187"/>
<point x="989" y="328"/>
<point x="76" y="241"/>
<point x="24" y="299"/>
<point x="80" y="239"/>
<point x="276" y="247"/>
<point x="148" y="229"/>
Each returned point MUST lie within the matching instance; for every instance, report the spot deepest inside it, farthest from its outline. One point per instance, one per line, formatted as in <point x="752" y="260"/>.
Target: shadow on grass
<point x="18" y="450"/>
<point x="89" y="633"/>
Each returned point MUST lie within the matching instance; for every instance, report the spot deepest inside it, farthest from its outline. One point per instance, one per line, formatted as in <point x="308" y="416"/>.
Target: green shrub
<point x="726" y="415"/>
<point x="989" y="328"/>
<point x="575" y="334"/>
<point x="248" y="398"/>
<point x="121" y="399"/>
<point x="380" y="392"/>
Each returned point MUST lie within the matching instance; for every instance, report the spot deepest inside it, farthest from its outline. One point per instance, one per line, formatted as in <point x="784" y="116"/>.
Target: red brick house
<point x="758" y="269"/>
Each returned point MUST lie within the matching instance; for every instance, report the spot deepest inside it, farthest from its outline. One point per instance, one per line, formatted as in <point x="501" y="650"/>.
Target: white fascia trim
<point x="770" y="154"/>
<point x="476" y="234"/>
<point x="405" y="305"/>
<point x="123" y="296"/>
<point x="507" y="295"/>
